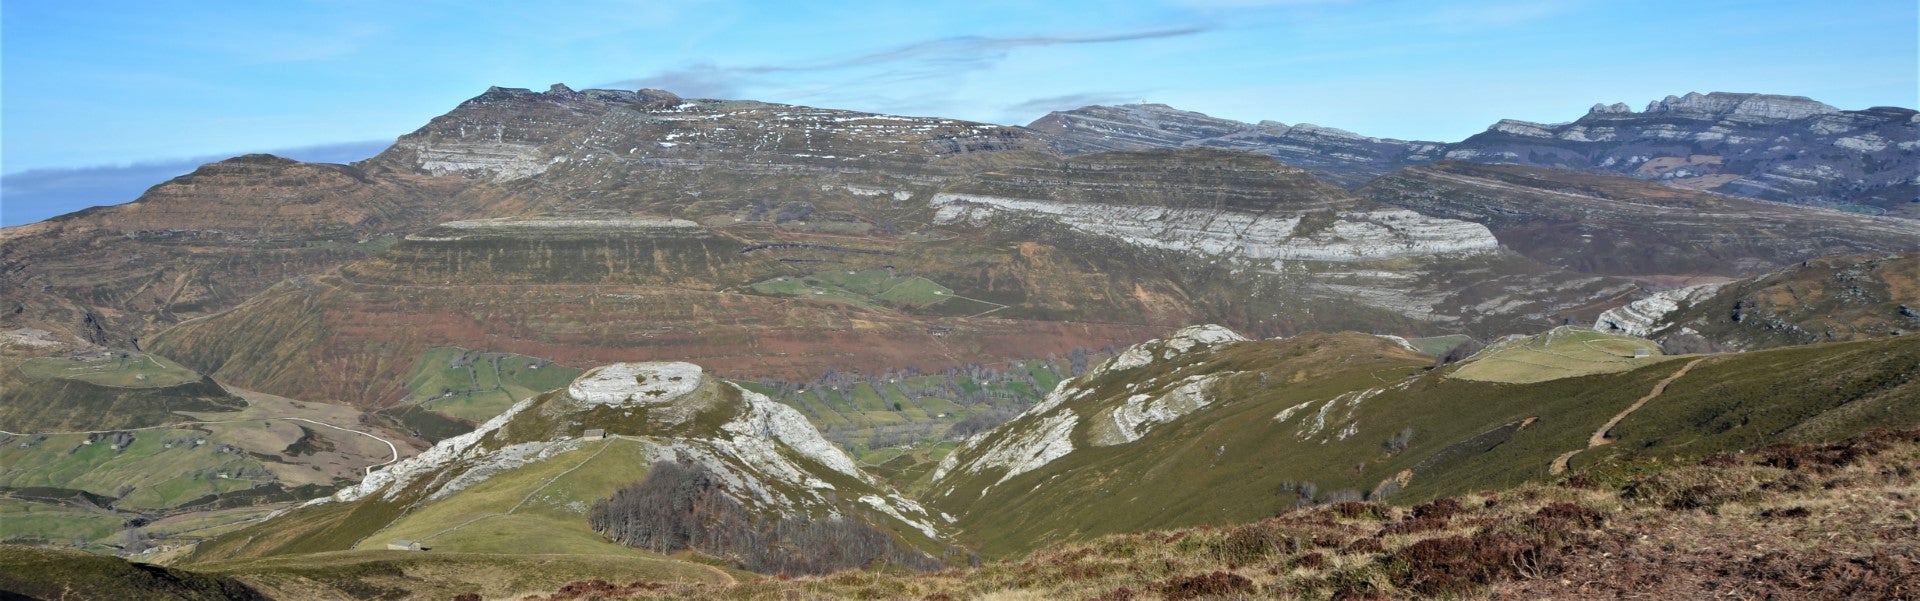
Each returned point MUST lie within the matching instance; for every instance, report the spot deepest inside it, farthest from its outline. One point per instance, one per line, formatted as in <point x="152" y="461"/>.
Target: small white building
<point x="594" y="434"/>
<point x="401" y="544"/>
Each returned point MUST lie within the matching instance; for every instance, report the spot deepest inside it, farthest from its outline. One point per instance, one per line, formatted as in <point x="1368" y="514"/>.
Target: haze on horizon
<point x="164" y="87"/>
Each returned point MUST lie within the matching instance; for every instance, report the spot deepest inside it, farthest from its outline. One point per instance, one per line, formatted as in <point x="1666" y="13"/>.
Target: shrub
<point x="1365" y="545"/>
<point x="1354" y="510"/>
<point x="681" y="506"/>
<point x="1785" y="513"/>
<point x="1216" y="584"/>
<point x="1563" y="515"/>
<point x="1119" y="594"/>
<point x="1440" y="508"/>
<point x="1414" y="525"/>
<point x="1456" y="564"/>
<point x="1252" y="542"/>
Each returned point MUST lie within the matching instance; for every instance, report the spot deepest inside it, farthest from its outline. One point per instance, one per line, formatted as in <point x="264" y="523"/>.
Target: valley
<point x="1125" y="348"/>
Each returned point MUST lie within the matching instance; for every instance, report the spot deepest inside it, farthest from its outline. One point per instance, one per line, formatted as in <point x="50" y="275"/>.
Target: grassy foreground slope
<point x="1332" y="417"/>
<point x="1827" y="521"/>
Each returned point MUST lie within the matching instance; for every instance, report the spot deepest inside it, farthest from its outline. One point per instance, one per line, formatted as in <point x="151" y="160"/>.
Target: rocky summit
<point x="1782" y="148"/>
<point x="1341" y="157"/>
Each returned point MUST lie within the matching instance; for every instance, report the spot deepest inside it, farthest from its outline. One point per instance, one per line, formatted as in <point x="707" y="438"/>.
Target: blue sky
<point x="87" y="84"/>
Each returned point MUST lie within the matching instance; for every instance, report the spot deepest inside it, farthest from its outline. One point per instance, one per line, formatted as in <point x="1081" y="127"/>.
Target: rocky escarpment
<point x="1638" y="318"/>
<point x="1044" y="433"/>
<point x="1827" y="299"/>
<point x="765" y="455"/>
<point x="1617" y="225"/>
<point x="1208" y="203"/>
<point x="1785" y="148"/>
<point x="1339" y="156"/>
<point x="1351" y="236"/>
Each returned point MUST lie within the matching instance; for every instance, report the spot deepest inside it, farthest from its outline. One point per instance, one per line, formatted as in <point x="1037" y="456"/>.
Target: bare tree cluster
<point x="682" y="506"/>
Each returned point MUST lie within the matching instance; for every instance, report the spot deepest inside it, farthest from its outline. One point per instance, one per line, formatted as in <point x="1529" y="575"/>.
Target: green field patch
<point x="120" y="369"/>
<point x="33" y="522"/>
<point x="917" y="291"/>
<point x="158" y="470"/>
<point x="1438" y="345"/>
<point x="475" y="385"/>
<point x="1563" y="352"/>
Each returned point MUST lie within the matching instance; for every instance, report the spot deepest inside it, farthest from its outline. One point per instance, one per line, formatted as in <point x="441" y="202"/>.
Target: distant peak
<point x="1740" y="106"/>
<point x="260" y="158"/>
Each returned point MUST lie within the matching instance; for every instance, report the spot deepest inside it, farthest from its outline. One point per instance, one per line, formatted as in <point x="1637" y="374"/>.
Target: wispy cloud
<point x="935" y="58"/>
<point x="1022" y="112"/>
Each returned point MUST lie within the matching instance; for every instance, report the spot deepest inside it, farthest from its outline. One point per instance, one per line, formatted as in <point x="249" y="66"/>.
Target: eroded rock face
<point x="1043" y="434"/>
<point x="1610" y="224"/>
<point x="1353" y="236"/>
<point x="1639" y="318"/>
<point x="1339" y="156"/>
<point x="1785" y="148"/>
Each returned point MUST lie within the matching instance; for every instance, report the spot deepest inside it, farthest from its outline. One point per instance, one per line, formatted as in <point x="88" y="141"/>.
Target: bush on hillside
<point x="682" y="506"/>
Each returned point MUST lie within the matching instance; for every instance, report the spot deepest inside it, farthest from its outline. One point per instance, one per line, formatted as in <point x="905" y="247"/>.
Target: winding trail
<point x="1600" y="437"/>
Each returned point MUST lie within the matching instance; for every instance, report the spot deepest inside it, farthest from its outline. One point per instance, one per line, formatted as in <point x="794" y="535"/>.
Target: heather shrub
<point x="1198" y="586"/>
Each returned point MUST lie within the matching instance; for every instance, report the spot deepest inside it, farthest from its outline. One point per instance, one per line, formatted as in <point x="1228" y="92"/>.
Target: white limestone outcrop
<point x="1640" y="318"/>
<point x="1353" y="236"/>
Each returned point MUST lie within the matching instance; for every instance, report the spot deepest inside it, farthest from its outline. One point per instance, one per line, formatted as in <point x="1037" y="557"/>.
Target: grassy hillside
<point x="55" y="389"/>
<point x="549" y="498"/>
<point x="41" y="573"/>
<point x="443" y="575"/>
<point x="1823" y="300"/>
<point x="475" y="385"/>
<point x="1788" y="522"/>
<point x="1560" y="353"/>
<point x="1350" y="424"/>
<point x="116" y="369"/>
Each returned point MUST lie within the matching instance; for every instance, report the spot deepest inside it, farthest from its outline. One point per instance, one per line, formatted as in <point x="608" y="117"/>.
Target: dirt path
<point x="1600" y="437"/>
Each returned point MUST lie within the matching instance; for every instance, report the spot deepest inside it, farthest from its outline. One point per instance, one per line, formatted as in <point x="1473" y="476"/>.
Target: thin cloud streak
<point x="1027" y="111"/>
<point x="941" y="57"/>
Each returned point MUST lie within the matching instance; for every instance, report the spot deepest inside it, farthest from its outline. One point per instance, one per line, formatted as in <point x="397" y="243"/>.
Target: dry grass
<point x="1807" y="521"/>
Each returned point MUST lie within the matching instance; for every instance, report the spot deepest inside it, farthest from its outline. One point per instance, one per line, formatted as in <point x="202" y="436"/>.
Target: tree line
<point x="682" y="506"/>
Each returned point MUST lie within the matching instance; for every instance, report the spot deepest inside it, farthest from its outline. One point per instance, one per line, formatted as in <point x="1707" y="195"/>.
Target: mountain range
<point x="858" y="339"/>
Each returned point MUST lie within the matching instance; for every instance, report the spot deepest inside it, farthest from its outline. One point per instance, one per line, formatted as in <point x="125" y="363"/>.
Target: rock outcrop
<point x="1339" y="156"/>
<point x="1610" y="224"/>
<point x="767" y="455"/>
<point x="1639" y="318"/>
<point x="1785" y="148"/>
